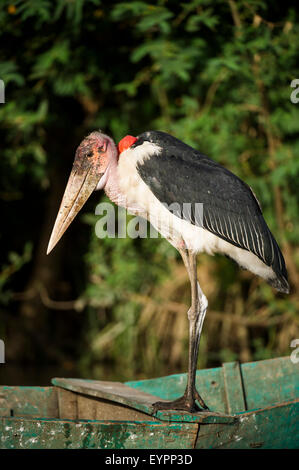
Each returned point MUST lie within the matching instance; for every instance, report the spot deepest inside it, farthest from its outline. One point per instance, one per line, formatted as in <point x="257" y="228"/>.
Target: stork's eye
<point x="101" y="148"/>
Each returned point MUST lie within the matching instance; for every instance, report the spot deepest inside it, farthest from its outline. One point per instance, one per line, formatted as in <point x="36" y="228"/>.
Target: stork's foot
<point x="184" y="403"/>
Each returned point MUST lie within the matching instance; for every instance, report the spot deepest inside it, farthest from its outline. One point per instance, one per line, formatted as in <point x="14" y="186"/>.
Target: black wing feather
<point x="230" y="209"/>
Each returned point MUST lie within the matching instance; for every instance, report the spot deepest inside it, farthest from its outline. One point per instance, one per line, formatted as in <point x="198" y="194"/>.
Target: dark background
<point x="217" y="75"/>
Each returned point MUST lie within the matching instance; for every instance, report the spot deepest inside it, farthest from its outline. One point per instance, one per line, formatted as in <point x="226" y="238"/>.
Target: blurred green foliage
<point x="217" y="75"/>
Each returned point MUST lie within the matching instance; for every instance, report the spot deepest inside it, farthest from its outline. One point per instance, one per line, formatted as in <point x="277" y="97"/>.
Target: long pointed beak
<point x="81" y="184"/>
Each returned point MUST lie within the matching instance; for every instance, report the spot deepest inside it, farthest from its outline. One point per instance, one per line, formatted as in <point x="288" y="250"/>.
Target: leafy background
<point x="217" y="75"/>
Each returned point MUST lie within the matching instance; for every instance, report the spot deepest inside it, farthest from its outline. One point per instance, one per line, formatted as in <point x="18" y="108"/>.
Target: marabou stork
<point x="148" y="173"/>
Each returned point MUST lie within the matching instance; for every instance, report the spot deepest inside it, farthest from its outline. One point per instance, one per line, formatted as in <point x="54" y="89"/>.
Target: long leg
<point x="196" y="315"/>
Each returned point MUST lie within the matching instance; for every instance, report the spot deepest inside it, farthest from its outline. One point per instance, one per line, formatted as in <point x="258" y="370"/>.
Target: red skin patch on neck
<point x="126" y="143"/>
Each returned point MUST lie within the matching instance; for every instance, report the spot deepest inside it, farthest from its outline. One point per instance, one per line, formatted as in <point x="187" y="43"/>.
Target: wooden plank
<point x="275" y="427"/>
<point x="107" y="410"/>
<point x="5" y="406"/>
<point x="122" y="394"/>
<point x="86" y="407"/>
<point x="264" y="383"/>
<point x="28" y="401"/>
<point x="67" y="403"/>
<point x="209" y="382"/>
<point x="269" y="382"/>
<point x="19" y="433"/>
<point x="74" y="405"/>
<point x="234" y="393"/>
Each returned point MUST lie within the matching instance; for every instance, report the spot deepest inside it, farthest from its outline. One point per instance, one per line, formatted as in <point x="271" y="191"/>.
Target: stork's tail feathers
<point x="280" y="280"/>
<point x="280" y="283"/>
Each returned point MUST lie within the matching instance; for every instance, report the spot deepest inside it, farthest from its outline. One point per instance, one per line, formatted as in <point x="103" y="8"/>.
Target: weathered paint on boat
<point x="257" y="407"/>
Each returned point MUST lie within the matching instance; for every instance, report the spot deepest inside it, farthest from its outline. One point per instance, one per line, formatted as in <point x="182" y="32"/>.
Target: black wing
<point x="180" y="174"/>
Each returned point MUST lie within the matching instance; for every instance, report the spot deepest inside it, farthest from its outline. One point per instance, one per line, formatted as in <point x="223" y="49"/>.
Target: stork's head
<point x="90" y="171"/>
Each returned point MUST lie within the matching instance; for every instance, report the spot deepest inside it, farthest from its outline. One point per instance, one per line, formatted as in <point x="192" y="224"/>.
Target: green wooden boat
<point x="254" y="405"/>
